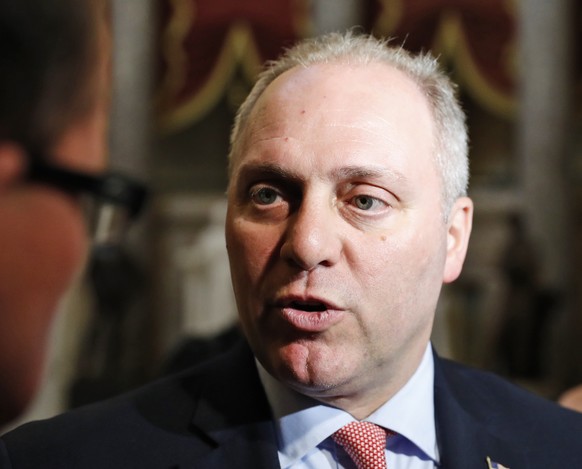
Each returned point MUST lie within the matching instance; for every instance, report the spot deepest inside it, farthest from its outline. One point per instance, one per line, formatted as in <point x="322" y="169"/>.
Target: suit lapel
<point x="240" y="428"/>
<point x="465" y="425"/>
<point x="251" y="446"/>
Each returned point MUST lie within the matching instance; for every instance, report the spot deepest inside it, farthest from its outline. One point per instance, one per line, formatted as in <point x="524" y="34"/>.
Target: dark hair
<point x="48" y="55"/>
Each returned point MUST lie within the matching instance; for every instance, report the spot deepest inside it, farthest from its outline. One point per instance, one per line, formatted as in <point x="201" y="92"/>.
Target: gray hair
<point x="451" y="145"/>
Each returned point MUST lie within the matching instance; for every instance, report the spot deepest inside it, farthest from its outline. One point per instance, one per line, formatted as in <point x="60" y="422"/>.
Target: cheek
<point x="44" y="242"/>
<point x="60" y="239"/>
<point x="400" y="270"/>
<point x="62" y="242"/>
<point x="43" y="245"/>
<point x="250" y="247"/>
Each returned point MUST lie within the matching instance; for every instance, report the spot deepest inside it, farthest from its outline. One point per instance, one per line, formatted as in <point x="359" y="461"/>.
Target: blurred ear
<point x="458" y="233"/>
<point x="12" y="164"/>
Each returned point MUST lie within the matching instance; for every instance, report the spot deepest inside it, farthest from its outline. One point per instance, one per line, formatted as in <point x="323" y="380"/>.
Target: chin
<point x="311" y="369"/>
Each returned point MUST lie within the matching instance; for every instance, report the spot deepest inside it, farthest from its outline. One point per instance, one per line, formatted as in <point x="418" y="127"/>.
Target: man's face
<point x="338" y="246"/>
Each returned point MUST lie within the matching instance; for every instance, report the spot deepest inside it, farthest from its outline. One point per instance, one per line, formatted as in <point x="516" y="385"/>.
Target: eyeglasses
<point x="114" y="200"/>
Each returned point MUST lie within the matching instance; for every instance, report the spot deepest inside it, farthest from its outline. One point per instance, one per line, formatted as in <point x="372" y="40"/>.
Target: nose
<point x="312" y="237"/>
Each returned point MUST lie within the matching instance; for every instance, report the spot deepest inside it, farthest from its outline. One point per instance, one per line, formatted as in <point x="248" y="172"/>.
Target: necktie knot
<point x="365" y="443"/>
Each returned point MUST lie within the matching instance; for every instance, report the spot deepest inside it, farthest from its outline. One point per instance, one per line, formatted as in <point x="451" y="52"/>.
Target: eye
<point x="366" y="202"/>
<point x="264" y="195"/>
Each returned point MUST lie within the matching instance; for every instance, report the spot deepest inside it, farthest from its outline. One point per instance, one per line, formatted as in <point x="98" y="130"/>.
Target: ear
<point x="458" y="233"/>
<point x="12" y="164"/>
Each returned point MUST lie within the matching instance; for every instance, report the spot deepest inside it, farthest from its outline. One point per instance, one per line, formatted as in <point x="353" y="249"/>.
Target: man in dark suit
<point x="347" y="211"/>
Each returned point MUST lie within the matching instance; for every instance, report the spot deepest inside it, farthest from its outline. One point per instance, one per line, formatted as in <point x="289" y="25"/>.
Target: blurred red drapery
<point x="203" y="42"/>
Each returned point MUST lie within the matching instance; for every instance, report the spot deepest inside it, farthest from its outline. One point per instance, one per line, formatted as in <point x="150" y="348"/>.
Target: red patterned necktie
<point x="365" y="443"/>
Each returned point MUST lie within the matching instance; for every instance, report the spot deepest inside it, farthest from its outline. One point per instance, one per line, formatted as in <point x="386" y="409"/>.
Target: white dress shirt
<point x="304" y="425"/>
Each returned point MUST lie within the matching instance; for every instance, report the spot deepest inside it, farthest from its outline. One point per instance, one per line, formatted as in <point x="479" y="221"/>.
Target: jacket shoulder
<point x="144" y="428"/>
<point x="510" y="409"/>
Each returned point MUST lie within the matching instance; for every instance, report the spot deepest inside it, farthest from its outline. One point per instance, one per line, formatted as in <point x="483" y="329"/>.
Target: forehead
<point x="331" y="110"/>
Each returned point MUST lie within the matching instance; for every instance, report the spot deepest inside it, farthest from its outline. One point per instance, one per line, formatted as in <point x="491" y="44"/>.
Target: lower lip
<point x="311" y="321"/>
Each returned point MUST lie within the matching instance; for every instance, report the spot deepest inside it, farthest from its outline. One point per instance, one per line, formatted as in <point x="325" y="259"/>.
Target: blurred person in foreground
<point x="54" y="99"/>
<point x="347" y="211"/>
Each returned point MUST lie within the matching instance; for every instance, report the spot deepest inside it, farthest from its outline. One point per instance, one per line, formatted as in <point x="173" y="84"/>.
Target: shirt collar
<point x="410" y="412"/>
<point x="303" y="423"/>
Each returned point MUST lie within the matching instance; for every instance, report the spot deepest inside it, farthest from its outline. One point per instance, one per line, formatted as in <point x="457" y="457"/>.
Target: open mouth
<point x="310" y="306"/>
<point x="310" y="314"/>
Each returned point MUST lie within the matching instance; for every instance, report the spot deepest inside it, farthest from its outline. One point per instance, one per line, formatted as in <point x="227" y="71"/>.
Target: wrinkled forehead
<point x="339" y="85"/>
<point x="371" y="98"/>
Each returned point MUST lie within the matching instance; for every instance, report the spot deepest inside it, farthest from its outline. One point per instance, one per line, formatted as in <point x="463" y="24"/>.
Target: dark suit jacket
<point x="217" y="416"/>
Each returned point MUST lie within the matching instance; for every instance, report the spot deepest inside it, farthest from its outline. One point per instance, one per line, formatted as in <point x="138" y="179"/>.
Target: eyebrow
<point x="367" y="172"/>
<point x="276" y="171"/>
<point x="267" y="170"/>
